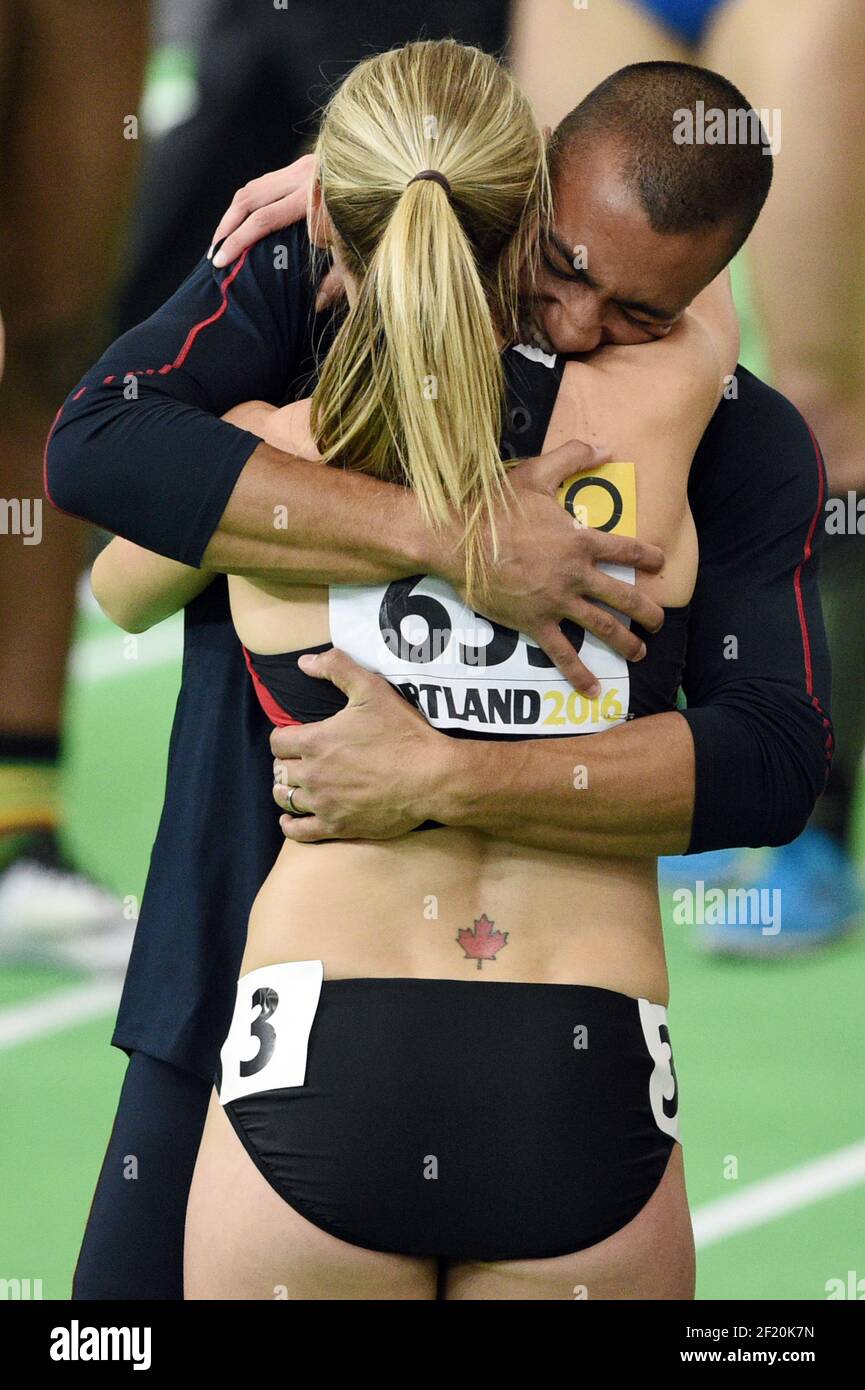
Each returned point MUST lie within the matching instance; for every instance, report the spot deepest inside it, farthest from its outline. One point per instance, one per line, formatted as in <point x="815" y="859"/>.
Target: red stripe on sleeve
<point x="197" y="328"/>
<point x="797" y="575"/>
<point x="147" y="371"/>
<point x="807" y="552"/>
<point x="45" y="486"/>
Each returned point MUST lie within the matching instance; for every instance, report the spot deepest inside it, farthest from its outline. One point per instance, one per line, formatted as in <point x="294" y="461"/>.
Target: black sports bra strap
<point x="531" y="388"/>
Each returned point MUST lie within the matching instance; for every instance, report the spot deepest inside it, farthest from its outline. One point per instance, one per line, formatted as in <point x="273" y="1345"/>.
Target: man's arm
<point x="744" y="764"/>
<point x="758" y="677"/>
<point x="378" y="769"/>
<point x="293" y="520"/>
<point x="628" y="792"/>
<point x="138" y="448"/>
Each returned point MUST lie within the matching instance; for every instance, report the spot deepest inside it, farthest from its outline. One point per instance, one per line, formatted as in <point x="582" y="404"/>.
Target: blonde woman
<point x="449" y="1071"/>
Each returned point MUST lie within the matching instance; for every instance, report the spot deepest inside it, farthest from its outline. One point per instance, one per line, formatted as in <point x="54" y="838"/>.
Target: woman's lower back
<point x="459" y="905"/>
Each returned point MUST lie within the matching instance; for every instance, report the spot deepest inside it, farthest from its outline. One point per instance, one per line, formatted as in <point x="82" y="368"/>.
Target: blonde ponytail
<point x="412" y="387"/>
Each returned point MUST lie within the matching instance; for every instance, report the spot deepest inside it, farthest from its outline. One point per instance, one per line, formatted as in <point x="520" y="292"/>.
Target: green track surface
<point x="59" y="1095"/>
<point x="769" y="1055"/>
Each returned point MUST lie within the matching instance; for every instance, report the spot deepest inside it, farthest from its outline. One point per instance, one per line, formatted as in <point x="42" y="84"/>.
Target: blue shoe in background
<point x="765" y="902"/>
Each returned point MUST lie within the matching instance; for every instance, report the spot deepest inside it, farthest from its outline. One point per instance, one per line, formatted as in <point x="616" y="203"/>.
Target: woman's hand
<point x="262" y="206"/>
<point x="265" y="205"/>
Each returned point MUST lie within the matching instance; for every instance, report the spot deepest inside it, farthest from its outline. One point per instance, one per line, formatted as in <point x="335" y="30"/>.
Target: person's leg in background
<point x="807" y="263"/>
<point x="807" y="252"/>
<point x="133" y="1243"/>
<point x="70" y="76"/>
<point x="588" y="45"/>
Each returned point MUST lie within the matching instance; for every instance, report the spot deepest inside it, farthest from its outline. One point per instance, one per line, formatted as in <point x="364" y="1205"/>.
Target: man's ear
<point x="318" y="221"/>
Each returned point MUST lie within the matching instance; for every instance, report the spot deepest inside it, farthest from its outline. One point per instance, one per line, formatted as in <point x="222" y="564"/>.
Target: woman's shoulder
<point x="289" y="428"/>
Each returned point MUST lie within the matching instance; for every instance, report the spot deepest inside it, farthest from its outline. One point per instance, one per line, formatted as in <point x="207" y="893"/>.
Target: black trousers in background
<point x="263" y="76"/>
<point x="133" y="1242"/>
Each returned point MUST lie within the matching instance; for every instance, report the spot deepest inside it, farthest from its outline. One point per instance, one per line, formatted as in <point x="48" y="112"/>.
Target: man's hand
<point x="348" y="769"/>
<point x="548" y="569"/>
<point x="265" y="205"/>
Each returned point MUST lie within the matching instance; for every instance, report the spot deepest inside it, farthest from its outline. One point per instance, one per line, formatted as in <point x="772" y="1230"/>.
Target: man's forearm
<point x="627" y="792"/>
<point x="293" y="520"/>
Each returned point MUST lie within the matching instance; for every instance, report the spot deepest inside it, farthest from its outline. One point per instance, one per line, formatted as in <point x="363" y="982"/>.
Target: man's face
<point x="606" y="276"/>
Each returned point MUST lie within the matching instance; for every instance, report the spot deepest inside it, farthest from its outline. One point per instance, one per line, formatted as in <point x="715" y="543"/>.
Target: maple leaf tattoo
<point x="481" y="942"/>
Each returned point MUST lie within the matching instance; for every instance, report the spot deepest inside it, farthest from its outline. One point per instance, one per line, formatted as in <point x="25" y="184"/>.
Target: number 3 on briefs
<point x="267" y="1042"/>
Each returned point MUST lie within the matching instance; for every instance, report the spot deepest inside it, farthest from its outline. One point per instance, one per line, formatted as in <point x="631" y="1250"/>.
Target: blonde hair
<point x="412" y="388"/>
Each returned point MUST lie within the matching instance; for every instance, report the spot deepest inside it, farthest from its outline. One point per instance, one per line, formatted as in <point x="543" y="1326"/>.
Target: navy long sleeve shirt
<point x="138" y="448"/>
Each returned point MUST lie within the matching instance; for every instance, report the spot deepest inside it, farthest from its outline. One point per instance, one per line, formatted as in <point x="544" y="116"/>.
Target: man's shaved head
<point x="682" y="187"/>
<point x="658" y="177"/>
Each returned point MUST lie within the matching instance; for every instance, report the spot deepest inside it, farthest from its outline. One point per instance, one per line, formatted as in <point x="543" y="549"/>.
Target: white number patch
<point x="663" y="1086"/>
<point x="268" y="1039"/>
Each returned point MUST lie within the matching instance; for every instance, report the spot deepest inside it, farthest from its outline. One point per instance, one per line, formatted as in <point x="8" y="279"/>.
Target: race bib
<point x="268" y="1039"/>
<point x="463" y="671"/>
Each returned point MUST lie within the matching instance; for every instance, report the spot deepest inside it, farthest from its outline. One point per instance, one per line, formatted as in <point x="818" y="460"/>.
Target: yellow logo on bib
<point x="604" y="498"/>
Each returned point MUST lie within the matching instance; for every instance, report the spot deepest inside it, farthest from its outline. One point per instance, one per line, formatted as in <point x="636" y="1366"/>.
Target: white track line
<point x="64" y="1009"/>
<point x="773" y="1197"/>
